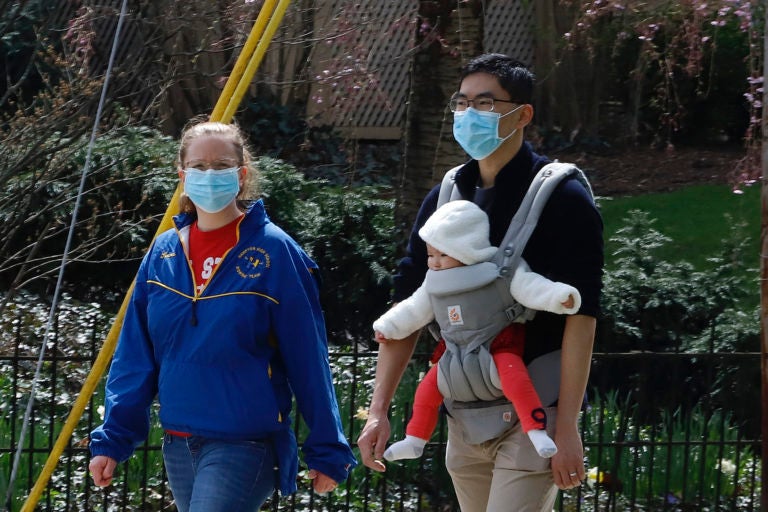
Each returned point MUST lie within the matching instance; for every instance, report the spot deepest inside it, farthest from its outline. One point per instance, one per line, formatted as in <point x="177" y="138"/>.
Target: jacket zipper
<point x="196" y="294"/>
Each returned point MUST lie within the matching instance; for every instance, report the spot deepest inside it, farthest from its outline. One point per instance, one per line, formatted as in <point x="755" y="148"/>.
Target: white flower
<point x="592" y="476"/>
<point x="727" y="467"/>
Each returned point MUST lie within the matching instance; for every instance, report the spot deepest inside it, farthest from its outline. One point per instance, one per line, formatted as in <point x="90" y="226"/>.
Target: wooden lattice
<point x="508" y="29"/>
<point x="365" y="96"/>
<point x="361" y="66"/>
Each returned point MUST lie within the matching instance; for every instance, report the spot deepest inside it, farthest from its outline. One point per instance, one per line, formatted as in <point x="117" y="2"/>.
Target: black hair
<point x="513" y="75"/>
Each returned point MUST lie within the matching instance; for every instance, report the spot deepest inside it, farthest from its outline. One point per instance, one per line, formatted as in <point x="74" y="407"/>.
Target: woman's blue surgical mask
<point x="212" y="190"/>
<point x="478" y="132"/>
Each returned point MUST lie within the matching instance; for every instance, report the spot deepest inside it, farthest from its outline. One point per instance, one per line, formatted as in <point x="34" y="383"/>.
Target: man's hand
<point x="102" y="469"/>
<point x="390" y="365"/>
<point x="568" y="463"/>
<point x="373" y="441"/>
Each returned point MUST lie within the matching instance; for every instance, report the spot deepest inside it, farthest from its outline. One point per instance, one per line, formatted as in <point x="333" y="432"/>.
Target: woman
<point x="224" y="326"/>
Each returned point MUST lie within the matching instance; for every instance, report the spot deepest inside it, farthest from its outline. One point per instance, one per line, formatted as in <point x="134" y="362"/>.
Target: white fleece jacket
<point x="530" y="289"/>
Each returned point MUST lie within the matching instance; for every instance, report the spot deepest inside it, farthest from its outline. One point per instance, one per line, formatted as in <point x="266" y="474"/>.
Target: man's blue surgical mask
<point x="478" y="132"/>
<point x="212" y="190"/>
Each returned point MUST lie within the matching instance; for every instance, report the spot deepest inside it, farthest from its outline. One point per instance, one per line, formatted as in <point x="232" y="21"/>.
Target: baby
<point x="457" y="236"/>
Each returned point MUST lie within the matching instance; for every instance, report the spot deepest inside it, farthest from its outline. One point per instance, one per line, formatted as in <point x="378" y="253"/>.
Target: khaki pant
<point x="501" y="475"/>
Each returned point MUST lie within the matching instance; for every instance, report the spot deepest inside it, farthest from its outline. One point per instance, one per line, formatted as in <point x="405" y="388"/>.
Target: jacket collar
<point x="255" y="216"/>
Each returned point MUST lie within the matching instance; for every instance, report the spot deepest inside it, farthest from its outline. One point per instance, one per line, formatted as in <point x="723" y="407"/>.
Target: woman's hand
<point x="102" y="470"/>
<point x="321" y="482"/>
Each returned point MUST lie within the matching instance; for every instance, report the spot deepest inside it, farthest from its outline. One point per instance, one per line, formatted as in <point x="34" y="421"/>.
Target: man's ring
<point x="572" y="474"/>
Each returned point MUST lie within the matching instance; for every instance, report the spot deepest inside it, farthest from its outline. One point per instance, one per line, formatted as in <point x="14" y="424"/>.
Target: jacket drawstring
<point x="193" y="320"/>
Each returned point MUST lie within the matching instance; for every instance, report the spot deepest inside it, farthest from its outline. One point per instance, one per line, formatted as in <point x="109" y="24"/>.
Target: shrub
<point x="652" y="304"/>
<point x="130" y="176"/>
<point x="319" y="152"/>
<point x="348" y="231"/>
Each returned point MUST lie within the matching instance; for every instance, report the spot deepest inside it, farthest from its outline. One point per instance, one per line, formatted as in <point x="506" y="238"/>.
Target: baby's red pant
<point x="507" y="351"/>
<point x="426" y="404"/>
<point x="518" y="388"/>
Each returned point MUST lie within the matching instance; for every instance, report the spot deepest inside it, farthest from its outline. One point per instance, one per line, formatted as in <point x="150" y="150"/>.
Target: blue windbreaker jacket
<point x="225" y="363"/>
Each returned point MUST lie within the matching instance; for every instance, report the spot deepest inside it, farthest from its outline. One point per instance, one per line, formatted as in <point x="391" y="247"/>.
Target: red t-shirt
<point x="206" y="248"/>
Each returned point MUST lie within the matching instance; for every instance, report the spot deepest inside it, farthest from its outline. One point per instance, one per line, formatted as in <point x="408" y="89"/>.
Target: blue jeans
<point x="211" y="475"/>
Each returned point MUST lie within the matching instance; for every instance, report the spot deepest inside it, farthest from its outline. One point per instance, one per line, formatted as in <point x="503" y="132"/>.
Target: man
<point x="491" y="109"/>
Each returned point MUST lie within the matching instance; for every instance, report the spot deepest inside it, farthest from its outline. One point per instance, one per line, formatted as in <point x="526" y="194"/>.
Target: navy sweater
<point x="566" y="246"/>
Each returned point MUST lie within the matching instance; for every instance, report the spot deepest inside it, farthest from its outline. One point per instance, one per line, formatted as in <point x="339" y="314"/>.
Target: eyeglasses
<point x="218" y="165"/>
<point x="481" y="103"/>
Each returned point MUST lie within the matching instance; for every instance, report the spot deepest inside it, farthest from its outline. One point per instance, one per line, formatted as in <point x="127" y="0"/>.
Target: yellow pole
<point x="254" y="38"/>
<point x="240" y="73"/>
<point x="254" y="62"/>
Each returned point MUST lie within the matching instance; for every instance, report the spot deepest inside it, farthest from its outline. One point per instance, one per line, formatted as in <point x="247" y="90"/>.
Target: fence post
<point x="764" y="286"/>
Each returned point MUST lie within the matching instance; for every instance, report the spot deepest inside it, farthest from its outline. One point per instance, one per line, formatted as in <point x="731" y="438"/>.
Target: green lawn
<point x="695" y="218"/>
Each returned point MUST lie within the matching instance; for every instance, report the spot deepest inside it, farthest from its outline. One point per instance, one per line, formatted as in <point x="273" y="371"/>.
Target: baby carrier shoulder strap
<point x="522" y="225"/>
<point x="448" y="189"/>
<point x="527" y="216"/>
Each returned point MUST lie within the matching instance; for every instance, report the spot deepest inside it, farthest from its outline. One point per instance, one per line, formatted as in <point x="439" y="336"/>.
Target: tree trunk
<point x="284" y="72"/>
<point x="430" y="149"/>
<point x="546" y="62"/>
<point x="568" y="89"/>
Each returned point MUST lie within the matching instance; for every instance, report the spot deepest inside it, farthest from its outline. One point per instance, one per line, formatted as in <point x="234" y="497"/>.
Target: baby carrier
<point x="467" y="375"/>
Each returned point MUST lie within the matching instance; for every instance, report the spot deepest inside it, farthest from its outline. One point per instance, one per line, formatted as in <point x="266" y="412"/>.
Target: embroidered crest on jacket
<point x="252" y="262"/>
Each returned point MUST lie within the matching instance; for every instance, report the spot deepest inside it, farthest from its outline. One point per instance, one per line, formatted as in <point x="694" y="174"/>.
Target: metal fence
<point x="698" y="455"/>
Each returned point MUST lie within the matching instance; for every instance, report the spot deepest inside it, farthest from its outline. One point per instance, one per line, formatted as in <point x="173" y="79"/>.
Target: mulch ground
<point x="636" y="171"/>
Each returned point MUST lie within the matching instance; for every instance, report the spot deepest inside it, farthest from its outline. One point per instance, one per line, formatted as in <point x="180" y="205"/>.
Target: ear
<point x="180" y="172"/>
<point x="243" y="174"/>
<point x="526" y="115"/>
